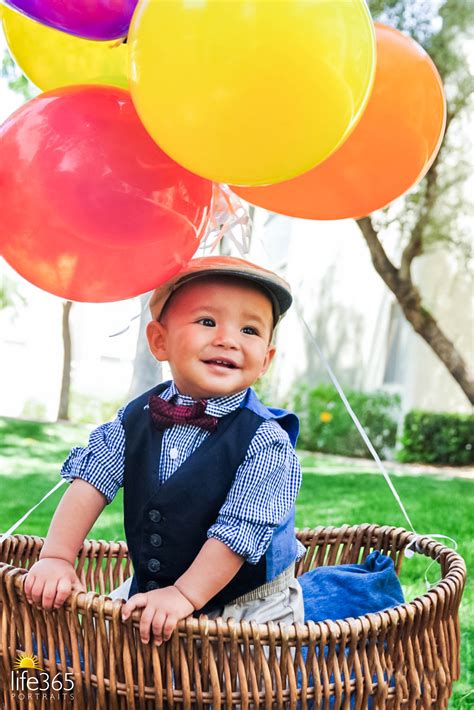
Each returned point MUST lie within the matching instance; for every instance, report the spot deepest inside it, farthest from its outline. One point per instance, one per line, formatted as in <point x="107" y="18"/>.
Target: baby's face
<point x="215" y="334"/>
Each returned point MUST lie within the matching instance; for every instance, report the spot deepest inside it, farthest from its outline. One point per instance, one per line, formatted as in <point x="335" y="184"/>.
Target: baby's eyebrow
<point x="254" y="317"/>
<point x="199" y="309"/>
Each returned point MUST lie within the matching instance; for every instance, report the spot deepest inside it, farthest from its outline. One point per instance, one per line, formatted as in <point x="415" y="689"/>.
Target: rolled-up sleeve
<point x="264" y="490"/>
<point x="101" y="462"/>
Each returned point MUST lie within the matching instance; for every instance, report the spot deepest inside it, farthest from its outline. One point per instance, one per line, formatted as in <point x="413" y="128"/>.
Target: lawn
<point x="31" y="453"/>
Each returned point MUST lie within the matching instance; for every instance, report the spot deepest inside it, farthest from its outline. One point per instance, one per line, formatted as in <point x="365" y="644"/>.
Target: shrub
<point x="327" y="426"/>
<point x="437" y="438"/>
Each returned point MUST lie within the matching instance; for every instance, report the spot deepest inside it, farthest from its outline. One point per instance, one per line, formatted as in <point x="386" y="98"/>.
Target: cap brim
<point x="281" y="299"/>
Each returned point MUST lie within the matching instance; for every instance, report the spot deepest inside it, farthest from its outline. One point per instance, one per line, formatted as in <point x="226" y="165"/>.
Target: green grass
<point x="31" y="454"/>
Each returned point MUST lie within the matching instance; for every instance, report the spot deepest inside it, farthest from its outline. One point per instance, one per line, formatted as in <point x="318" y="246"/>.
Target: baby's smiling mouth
<point x="222" y="362"/>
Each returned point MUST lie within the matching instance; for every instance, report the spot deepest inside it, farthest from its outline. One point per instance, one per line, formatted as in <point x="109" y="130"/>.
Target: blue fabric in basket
<point x="340" y="591"/>
<point x="58" y="657"/>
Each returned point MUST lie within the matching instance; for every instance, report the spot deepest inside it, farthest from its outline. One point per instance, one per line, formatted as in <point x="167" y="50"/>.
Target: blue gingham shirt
<point x="264" y="489"/>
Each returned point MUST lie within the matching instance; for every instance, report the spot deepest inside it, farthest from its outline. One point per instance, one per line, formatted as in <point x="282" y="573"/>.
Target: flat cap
<point x="278" y="289"/>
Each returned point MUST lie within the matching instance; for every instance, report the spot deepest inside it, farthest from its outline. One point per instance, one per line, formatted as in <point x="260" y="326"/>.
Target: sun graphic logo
<point x="25" y="661"/>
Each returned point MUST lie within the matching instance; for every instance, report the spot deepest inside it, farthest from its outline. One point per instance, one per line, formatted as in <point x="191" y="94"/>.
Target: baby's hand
<point x="162" y="609"/>
<point x="50" y="582"/>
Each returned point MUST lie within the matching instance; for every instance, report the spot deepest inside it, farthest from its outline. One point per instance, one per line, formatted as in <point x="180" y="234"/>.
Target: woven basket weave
<point x="405" y="657"/>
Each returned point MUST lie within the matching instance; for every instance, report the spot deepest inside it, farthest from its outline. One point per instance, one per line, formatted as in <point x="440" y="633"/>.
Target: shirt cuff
<point x="300" y="550"/>
<point x="81" y="464"/>
<point x="247" y="539"/>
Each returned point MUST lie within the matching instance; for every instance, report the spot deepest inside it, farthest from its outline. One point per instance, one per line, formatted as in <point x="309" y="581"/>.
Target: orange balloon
<point x="389" y="151"/>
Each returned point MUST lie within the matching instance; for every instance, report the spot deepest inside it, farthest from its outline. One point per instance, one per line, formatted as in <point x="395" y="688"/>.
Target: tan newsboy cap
<point x="277" y="288"/>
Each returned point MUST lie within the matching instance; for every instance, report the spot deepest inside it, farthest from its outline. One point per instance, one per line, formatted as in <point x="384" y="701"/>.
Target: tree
<point x="147" y="371"/>
<point x="10" y="296"/>
<point x="430" y="215"/>
<point x="15" y="79"/>
<point x="63" y="410"/>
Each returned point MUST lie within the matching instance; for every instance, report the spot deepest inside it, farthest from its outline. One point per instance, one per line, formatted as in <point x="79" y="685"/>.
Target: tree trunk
<point x="147" y="372"/>
<point x="410" y="301"/>
<point x="63" y="411"/>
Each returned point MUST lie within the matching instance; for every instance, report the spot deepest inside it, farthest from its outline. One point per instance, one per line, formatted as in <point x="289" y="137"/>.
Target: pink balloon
<point x="92" y="209"/>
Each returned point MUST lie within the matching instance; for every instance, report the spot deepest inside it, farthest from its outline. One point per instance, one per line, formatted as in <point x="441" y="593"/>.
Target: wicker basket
<point x="405" y="657"/>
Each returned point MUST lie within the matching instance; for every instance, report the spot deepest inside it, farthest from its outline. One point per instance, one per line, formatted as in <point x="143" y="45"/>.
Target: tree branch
<point x="380" y="260"/>
<point x="415" y="244"/>
<point x="410" y="302"/>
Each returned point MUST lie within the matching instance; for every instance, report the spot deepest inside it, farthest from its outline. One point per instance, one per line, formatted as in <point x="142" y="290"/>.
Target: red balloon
<point x="93" y="210"/>
<point x="389" y="151"/>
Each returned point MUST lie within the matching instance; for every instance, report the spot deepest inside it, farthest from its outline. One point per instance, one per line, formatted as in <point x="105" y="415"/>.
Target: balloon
<point x="50" y="58"/>
<point x="392" y="147"/>
<point x="92" y="19"/>
<point x="250" y="91"/>
<point x="92" y="209"/>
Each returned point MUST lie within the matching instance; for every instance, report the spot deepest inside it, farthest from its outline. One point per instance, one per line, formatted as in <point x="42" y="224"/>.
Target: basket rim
<point x="450" y="585"/>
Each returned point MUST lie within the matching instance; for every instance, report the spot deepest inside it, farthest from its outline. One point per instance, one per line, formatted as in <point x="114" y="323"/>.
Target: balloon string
<point x="351" y="412"/>
<point x="227" y="213"/>
<point x="124" y="330"/>
<point x="27" y="514"/>
<point x="354" y="418"/>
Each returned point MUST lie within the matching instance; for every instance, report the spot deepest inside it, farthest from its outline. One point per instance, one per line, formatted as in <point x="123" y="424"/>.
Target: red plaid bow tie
<point x="165" y="414"/>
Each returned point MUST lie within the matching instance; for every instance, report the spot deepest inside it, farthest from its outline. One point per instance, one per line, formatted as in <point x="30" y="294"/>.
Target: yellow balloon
<point x="50" y="58"/>
<point x="250" y="92"/>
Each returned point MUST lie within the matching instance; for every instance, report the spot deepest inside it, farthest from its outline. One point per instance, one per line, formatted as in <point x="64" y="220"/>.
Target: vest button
<point x="150" y="586"/>
<point x="155" y="516"/>
<point x="156" y="540"/>
<point x="154" y="565"/>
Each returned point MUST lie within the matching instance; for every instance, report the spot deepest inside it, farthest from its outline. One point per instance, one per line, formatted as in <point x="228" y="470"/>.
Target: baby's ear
<point x="271" y="350"/>
<point x="156" y="336"/>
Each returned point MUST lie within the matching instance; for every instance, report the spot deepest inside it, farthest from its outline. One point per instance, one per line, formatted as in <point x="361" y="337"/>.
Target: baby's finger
<point x="158" y="623"/>
<point x="146" y="621"/>
<point x="37" y="591"/>
<point x="169" y="626"/>
<point x="62" y="592"/>
<point x="29" y="582"/>
<point x="138" y="601"/>
<point x="49" y="594"/>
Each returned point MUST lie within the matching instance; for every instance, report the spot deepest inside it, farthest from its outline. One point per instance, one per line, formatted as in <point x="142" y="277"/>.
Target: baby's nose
<point x="225" y="338"/>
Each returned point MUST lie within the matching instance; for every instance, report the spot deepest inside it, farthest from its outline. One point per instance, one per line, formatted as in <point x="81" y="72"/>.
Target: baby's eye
<point x="208" y="322"/>
<point x="249" y="330"/>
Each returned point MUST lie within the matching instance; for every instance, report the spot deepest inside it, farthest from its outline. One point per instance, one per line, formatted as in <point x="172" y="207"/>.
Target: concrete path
<point x="328" y="464"/>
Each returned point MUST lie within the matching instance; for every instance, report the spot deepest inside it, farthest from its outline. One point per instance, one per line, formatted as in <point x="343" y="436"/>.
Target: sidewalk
<point x="328" y="464"/>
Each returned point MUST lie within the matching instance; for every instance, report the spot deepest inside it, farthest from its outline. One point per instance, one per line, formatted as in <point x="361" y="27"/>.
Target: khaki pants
<point x="285" y="607"/>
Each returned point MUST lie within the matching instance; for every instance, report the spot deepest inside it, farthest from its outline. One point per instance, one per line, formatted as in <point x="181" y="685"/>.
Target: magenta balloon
<point x="96" y="19"/>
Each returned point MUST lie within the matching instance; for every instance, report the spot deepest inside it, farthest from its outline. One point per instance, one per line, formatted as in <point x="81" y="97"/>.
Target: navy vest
<point x="166" y="524"/>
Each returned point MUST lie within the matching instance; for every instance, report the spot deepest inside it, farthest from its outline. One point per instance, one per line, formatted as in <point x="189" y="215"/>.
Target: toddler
<point x="210" y="474"/>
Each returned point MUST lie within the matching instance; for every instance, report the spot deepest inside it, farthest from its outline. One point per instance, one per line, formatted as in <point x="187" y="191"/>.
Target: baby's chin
<point x="220" y="392"/>
<point x="212" y="390"/>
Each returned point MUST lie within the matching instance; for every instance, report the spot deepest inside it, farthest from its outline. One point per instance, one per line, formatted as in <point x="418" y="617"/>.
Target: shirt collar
<point x="216" y="406"/>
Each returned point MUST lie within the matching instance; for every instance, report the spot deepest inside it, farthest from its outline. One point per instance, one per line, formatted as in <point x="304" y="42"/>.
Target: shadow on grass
<point x="43" y="441"/>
